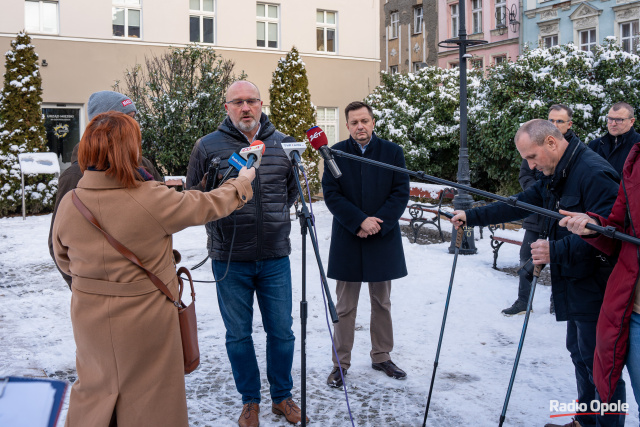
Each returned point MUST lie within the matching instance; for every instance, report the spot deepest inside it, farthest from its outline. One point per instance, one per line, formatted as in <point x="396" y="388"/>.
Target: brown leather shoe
<point x="335" y="379"/>
<point x="249" y="416"/>
<point x="289" y="409"/>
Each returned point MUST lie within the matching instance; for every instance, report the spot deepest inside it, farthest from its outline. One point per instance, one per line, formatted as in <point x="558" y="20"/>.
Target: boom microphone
<point x="294" y="150"/>
<point x="253" y="154"/>
<point x="318" y="140"/>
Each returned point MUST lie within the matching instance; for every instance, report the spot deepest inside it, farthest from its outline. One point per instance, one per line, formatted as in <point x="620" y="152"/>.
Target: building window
<point x="477" y="63"/>
<point x="266" y="109"/>
<point x="550" y="41"/>
<point x="454" y="64"/>
<point x="587" y="39"/>
<point x="418" y="65"/>
<point x="454" y="20"/>
<point x="126" y="18"/>
<point x="501" y="13"/>
<point x="476" y="10"/>
<point x="41" y="16"/>
<point x="500" y="59"/>
<point x="328" y="120"/>
<point x="629" y="36"/>
<point x="326" y="31"/>
<point x="201" y="17"/>
<point x="393" y="31"/>
<point x="267" y="25"/>
<point x="417" y="20"/>
<point x="393" y="69"/>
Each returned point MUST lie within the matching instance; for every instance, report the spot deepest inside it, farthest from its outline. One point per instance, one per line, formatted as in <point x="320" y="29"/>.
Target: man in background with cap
<point x="99" y="102"/>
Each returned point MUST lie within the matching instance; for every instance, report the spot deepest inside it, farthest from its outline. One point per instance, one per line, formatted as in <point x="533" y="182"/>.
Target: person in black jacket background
<point x="578" y="179"/>
<point x="560" y="115"/>
<point x="615" y="145"/>
<point x="260" y="257"/>
<point x="366" y="245"/>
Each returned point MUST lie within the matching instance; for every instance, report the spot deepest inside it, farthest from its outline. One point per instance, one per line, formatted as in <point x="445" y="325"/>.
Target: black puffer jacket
<point x="262" y="225"/>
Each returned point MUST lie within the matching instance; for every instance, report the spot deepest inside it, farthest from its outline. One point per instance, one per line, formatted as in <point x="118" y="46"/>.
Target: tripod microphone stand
<point x="306" y="224"/>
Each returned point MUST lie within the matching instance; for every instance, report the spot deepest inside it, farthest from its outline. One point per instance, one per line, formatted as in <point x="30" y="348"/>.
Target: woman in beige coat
<point x="129" y="353"/>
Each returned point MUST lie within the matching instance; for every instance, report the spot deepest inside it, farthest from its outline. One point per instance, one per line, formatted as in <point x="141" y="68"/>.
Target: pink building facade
<point x="497" y="21"/>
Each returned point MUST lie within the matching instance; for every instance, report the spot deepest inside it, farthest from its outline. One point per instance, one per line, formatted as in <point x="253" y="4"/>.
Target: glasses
<point x="617" y="120"/>
<point x="251" y="102"/>
<point x="560" y="122"/>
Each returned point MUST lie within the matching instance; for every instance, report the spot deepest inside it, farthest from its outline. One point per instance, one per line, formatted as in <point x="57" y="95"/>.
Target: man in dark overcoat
<point x="366" y="245"/>
<point x="616" y="144"/>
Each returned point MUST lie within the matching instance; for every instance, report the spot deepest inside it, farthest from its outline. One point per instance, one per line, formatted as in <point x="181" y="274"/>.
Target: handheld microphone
<point x="253" y="154"/>
<point x="318" y="140"/>
<point x="294" y="150"/>
<point x="212" y="176"/>
<point x="237" y="162"/>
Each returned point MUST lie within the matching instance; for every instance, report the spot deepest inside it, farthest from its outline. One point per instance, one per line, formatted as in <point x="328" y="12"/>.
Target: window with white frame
<point x="126" y="18"/>
<point x="393" y="69"/>
<point x="500" y="59"/>
<point x="455" y="20"/>
<point x="476" y="11"/>
<point x="454" y="64"/>
<point x="41" y="16"/>
<point x="417" y="66"/>
<point x="393" y="28"/>
<point x="550" y="41"/>
<point x="266" y="109"/>
<point x="327" y="119"/>
<point x="417" y="20"/>
<point x="587" y="39"/>
<point x="501" y="13"/>
<point x="326" y="30"/>
<point x="629" y="36"/>
<point x="201" y="21"/>
<point x="268" y="21"/>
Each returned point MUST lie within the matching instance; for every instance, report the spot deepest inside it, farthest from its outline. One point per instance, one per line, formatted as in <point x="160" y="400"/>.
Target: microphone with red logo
<point x="319" y="141"/>
<point x="253" y="154"/>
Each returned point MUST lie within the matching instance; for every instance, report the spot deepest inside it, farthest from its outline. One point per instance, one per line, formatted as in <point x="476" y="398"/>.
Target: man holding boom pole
<point x="578" y="180"/>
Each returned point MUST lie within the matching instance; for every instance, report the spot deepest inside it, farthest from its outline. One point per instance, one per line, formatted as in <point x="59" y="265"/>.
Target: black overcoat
<point x="364" y="191"/>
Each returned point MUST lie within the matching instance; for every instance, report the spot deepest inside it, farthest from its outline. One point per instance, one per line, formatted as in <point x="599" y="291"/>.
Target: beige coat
<point x="129" y="354"/>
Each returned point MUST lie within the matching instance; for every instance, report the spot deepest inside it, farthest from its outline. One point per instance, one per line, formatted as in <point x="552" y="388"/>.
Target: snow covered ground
<point x="475" y="362"/>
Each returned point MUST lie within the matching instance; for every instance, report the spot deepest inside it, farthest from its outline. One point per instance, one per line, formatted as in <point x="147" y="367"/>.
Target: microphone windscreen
<point x="317" y="137"/>
<point x="258" y="142"/>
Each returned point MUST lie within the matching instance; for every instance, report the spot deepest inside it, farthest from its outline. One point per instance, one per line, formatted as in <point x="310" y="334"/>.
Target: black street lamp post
<point x="463" y="199"/>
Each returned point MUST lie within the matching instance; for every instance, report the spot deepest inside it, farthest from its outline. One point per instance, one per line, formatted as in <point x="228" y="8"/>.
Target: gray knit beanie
<point x="107" y="100"/>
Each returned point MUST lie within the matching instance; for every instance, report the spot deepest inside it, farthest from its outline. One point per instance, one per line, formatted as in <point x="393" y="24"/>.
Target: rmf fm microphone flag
<point x="318" y="140"/>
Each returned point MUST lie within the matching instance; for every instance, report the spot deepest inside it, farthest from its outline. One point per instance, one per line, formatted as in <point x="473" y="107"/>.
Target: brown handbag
<point x="186" y="314"/>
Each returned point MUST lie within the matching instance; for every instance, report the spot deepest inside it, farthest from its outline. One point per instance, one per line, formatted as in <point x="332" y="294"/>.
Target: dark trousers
<point x="524" y="287"/>
<point x="581" y="343"/>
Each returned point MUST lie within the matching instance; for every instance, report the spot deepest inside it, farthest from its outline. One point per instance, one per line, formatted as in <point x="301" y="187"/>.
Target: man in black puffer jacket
<point x="260" y="255"/>
<point x="616" y="144"/>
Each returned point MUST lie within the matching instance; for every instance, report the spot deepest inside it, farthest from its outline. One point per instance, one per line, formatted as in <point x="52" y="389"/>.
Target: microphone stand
<point x="608" y="231"/>
<point x="306" y="223"/>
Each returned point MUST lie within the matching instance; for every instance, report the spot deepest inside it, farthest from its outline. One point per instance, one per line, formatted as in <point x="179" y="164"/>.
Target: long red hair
<point x="112" y="143"/>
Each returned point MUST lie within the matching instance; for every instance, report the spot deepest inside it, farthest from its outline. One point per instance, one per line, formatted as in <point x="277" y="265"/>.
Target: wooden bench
<point x="418" y="210"/>
<point x="175" y="182"/>
<point x="497" y="241"/>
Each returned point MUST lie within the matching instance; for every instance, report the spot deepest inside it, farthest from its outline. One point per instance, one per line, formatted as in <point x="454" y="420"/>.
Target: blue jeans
<point x="633" y="358"/>
<point x="270" y="280"/>
<point x="581" y="343"/>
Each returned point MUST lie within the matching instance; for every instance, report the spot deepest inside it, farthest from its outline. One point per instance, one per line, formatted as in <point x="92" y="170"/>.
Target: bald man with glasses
<point x="615" y="145"/>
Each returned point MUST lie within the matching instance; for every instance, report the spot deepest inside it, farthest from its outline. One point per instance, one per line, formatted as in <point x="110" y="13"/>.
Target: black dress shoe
<point x="335" y="380"/>
<point x="390" y="369"/>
